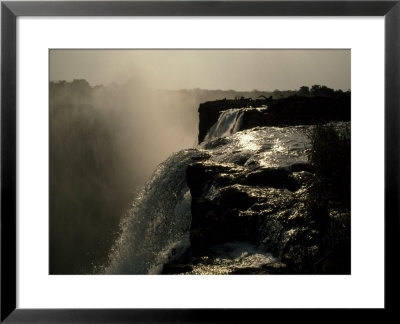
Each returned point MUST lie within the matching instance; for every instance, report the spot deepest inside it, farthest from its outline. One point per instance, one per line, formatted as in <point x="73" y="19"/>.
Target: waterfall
<point x="228" y="123"/>
<point x="156" y="228"/>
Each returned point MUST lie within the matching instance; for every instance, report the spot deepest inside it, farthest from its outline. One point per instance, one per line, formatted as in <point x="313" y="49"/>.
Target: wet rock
<point x="271" y="177"/>
<point x="258" y="188"/>
<point x="272" y="268"/>
<point x="266" y="207"/>
<point x="199" y="176"/>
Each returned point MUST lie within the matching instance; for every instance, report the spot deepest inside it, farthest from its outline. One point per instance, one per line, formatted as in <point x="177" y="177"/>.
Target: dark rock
<point x="271" y="177"/>
<point x="236" y="197"/>
<point x="289" y="111"/>
<point x="265" y="207"/>
<point x="176" y="268"/>
<point x="199" y="176"/>
<point x="301" y="167"/>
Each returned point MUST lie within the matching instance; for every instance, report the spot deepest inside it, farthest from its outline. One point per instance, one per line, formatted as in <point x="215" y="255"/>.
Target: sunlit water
<point x="228" y="257"/>
<point x="261" y="146"/>
<point x="156" y="229"/>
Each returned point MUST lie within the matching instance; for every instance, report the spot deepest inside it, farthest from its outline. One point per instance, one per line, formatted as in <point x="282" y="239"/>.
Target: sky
<point x="242" y="70"/>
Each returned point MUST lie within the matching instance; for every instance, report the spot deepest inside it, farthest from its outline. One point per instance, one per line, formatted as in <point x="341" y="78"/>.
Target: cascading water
<point x="159" y="220"/>
<point x="156" y="229"/>
<point x="228" y="123"/>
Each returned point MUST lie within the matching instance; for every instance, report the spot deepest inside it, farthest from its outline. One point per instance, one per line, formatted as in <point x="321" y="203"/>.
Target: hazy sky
<point x="206" y="69"/>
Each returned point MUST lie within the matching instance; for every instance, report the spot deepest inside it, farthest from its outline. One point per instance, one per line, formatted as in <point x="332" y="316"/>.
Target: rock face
<point x="267" y="208"/>
<point x="281" y="112"/>
<point x="256" y="202"/>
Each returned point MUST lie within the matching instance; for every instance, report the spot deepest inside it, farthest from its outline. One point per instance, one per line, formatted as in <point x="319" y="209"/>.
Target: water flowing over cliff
<point x="158" y="221"/>
<point x="240" y="202"/>
<point x="228" y="123"/>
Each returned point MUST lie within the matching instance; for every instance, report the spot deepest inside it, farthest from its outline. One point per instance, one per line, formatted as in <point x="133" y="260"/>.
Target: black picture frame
<point x="10" y="10"/>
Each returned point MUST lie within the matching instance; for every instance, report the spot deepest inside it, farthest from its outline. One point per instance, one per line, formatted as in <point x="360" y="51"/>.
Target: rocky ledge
<point x="279" y="214"/>
<point x="272" y="209"/>
<point x="289" y="111"/>
<point x="264" y="207"/>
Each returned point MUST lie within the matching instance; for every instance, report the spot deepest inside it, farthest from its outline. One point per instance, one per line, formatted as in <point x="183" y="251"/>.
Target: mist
<point x="241" y="70"/>
<point x="105" y="142"/>
<point x="115" y="115"/>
